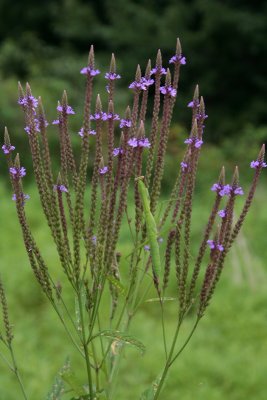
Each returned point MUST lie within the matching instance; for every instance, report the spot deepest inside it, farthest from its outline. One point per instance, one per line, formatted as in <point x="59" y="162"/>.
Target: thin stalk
<point x="16" y="372"/>
<point x="85" y="347"/>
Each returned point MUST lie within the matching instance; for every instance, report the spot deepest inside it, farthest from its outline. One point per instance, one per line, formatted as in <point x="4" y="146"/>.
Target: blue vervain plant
<point x="86" y="230"/>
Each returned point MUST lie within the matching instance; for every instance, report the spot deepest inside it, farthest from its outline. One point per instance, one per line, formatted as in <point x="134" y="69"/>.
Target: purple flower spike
<point x="68" y="110"/>
<point x="103" y="170"/>
<point x="168" y="90"/>
<point x="179" y="59"/>
<point x="125" y="123"/>
<point x="98" y="116"/>
<point x="184" y="166"/>
<point x="158" y="70"/>
<point x="117" y="151"/>
<point x="258" y="164"/>
<point x="112" y="76"/>
<point x="90" y="71"/>
<point x="222" y="213"/>
<point x="7" y="148"/>
<point x="147" y="247"/>
<point x="17" y="172"/>
<point x="110" y="116"/>
<point x="60" y="188"/>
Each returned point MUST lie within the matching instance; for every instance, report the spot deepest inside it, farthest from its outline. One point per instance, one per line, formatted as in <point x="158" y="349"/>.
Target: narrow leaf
<point x="123" y="338"/>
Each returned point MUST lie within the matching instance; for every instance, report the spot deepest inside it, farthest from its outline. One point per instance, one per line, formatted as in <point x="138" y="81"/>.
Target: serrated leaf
<point x="161" y="299"/>
<point x="123" y="338"/>
<point x="117" y="284"/>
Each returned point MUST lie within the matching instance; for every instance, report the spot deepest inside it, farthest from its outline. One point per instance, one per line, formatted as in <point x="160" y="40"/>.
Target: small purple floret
<point x="112" y="76"/>
<point x="68" y="110"/>
<point x="125" y="123"/>
<point x="193" y="104"/>
<point x="60" y="188"/>
<point x="7" y="148"/>
<point x="214" y="245"/>
<point x="147" y="247"/>
<point x="56" y="122"/>
<point x="81" y="132"/>
<point x="29" y="101"/>
<point x="168" y="90"/>
<point x="17" y="172"/>
<point x="184" y="165"/>
<point x="117" y="151"/>
<point x="158" y="70"/>
<point x="89" y="70"/>
<point x="194" y="140"/>
<point x="103" y="170"/>
<point x="238" y="191"/>
<point x="179" y="59"/>
<point x="222" y="213"/>
<point x="143" y="142"/>
<point x="258" y="164"/>
<point x="25" y="197"/>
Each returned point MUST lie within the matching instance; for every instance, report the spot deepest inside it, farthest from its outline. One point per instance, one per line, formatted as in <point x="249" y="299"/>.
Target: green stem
<point x="16" y="372"/>
<point x="85" y="347"/>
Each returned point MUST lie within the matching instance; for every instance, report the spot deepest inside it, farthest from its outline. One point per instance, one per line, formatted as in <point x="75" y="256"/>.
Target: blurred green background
<point x="226" y="49"/>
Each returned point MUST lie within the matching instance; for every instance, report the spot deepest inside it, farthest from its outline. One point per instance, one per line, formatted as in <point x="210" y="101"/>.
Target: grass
<point x="227" y="357"/>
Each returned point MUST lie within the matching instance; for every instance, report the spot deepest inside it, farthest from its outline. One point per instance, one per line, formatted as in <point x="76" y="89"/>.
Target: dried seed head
<point x="168" y="79"/>
<point x="138" y="74"/>
<point x="98" y="107"/>
<point x="159" y="59"/>
<point x="40" y="107"/>
<point x="64" y="99"/>
<point x="178" y="47"/>
<point x="261" y="154"/>
<point x="28" y="90"/>
<point x="194" y="128"/>
<point x="148" y="69"/>
<point x="17" y="161"/>
<point x="20" y="90"/>
<point x="201" y="106"/>
<point x="141" y="130"/>
<point x="196" y="93"/>
<point x="112" y="67"/>
<point x="59" y="180"/>
<point x="91" y="58"/>
<point x="221" y="179"/>
<point x="110" y="107"/>
<point x="6" y="137"/>
<point x="235" y="180"/>
<point x="128" y="113"/>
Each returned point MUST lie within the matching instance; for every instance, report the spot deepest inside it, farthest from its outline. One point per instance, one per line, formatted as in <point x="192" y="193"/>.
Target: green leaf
<point x="149" y="393"/>
<point x="162" y="299"/>
<point x="70" y="378"/>
<point x="117" y="284"/>
<point x="57" y="390"/>
<point x="123" y="338"/>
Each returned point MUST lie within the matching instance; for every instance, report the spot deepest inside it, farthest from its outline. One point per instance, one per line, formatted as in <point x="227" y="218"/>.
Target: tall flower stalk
<point x="128" y="154"/>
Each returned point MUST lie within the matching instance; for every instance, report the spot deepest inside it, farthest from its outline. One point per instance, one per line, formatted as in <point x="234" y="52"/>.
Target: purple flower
<point x="201" y="116"/>
<point x="94" y="239"/>
<point x="184" y="166"/>
<point x="111" y="116"/>
<point x="158" y="70"/>
<point x="193" y="104"/>
<point x="133" y="142"/>
<point x="56" y="122"/>
<point x="103" y="170"/>
<point x="142" y="84"/>
<point x="25" y="197"/>
<point x="68" y="110"/>
<point x="147" y="247"/>
<point x="215" y="245"/>
<point x="179" y="59"/>
<point x="112" y="76"/>
<point x="89" y="70"/>
<point x="7" y="148"/>
<point x="98" y="116"/>
<point x="222" y="213"/>
<point x="238" y="190"/>
<point x="216" y="187"/>
<point x="147" y="82"/>
<point x="60" y="188"/>
<point x="81" y="132"/>
<point x="144" y="142"/>
<point x="225" y="190"/>
<point x="117" y="151"/>
<point x="125" y="123"/>
<point x="194" y="140"/>
<point x="258" y="164"/>
<point x="168" y="90"/>
<point x="28" y="101"/>
<point x="17" y="172"/>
